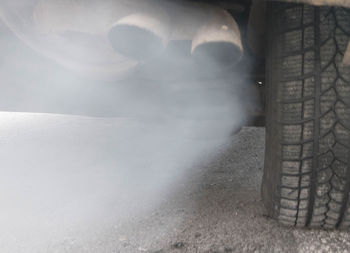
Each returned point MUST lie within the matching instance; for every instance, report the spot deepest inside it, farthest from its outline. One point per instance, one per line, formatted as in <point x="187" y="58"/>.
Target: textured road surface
<point x="219" y="209"/>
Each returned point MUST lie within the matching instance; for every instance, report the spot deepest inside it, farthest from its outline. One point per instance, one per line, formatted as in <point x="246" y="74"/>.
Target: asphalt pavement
<point x="218" y="208"/>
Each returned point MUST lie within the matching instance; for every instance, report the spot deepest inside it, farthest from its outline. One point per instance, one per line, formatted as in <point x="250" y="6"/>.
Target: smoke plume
<point x="78" y="155"/>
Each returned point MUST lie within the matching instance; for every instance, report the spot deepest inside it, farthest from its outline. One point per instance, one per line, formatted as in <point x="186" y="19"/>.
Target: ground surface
<point x="60" y="192"/>
<point x="218" y="209"/>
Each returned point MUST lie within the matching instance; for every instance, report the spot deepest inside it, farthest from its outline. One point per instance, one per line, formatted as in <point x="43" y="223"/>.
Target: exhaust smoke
<point x="70" y="174"/>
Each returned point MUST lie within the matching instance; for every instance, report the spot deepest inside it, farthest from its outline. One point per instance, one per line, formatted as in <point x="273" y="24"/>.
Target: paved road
<point x="60" y="192"/>
<point x="218" y="209"/>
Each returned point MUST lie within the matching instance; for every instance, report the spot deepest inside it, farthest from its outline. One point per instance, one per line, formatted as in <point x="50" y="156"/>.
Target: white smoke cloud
<point x="64" y="176"/>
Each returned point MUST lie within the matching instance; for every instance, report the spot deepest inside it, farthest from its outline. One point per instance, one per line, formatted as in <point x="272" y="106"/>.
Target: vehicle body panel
<point x="344" y="3"/>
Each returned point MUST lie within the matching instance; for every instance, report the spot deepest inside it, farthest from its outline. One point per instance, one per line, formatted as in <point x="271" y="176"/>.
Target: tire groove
<point x="302" y="114"/>
<point x="317" y="63"/>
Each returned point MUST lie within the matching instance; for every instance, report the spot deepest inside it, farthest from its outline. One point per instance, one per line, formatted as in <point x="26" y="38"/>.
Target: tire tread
<point x="307" y="161"/>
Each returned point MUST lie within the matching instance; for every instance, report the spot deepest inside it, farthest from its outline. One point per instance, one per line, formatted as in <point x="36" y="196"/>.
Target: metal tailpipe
<point x="140" y="36"/>
<point x="214" y="33"/>
<point x="108" y="38"/>
<point x="135" y="29"/>
<point x="218" y="41"/>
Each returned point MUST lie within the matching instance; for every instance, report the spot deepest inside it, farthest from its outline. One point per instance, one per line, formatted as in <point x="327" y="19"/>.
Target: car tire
<point x="306" y="178"/>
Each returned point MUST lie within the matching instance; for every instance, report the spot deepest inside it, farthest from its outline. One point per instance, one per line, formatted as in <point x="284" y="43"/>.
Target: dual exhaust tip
<point x="107" y="39"/>
<point x="215" y="40"/>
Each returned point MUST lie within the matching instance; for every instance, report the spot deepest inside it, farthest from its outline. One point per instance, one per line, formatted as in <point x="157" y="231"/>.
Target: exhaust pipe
<point x="135" y="29"/>
<point x="140" y="36"/>
<point x="218" y="41"/>
<point x="121" y="33"/>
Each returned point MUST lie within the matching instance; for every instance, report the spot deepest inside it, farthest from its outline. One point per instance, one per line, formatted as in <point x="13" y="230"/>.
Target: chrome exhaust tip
<point x="140" y="36"/>
<point x="218" y="42"/>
